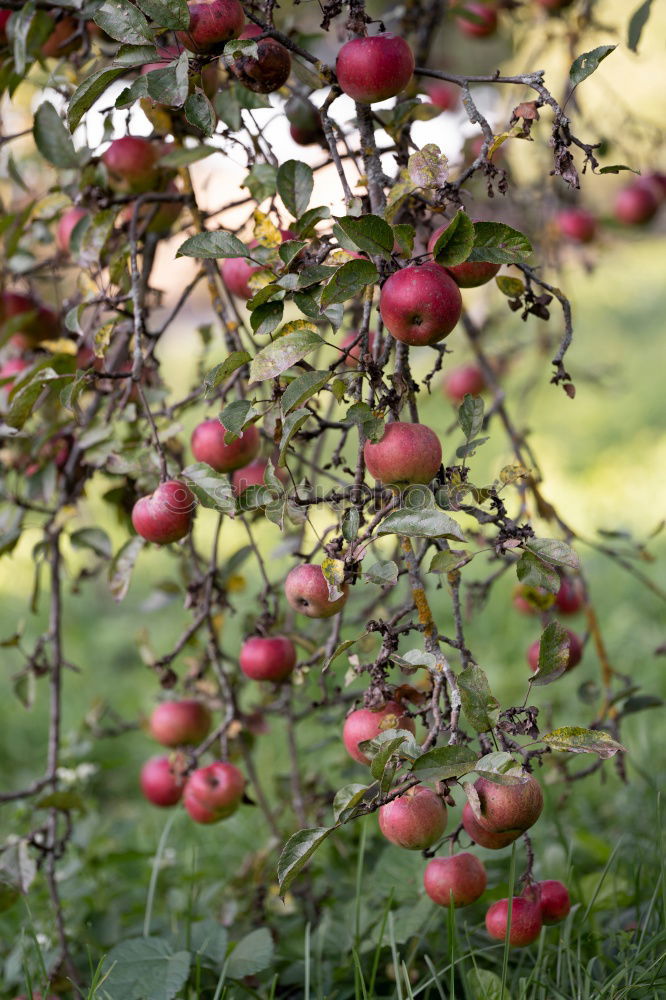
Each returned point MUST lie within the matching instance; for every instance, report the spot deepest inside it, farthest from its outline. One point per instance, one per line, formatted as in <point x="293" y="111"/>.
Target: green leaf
<point x="123" y="21"/>
<point x="120" y="570"/>
<point x="531" y="571"/>
<point x="445" y="561"/>
<point x="212" y="246"/>
<point x="88" y="91"/>
<point x="144" y="969"/>
<point x="200" y="113"/>
<point x="369" y="233"/>
<point x="52" y="138"/>
<point x="266" y="317"/>
<point x="282" y="353"/>
<point x="173" y="14"/>
<point x="455" y="244"/>
<point x="235" y="416"/>
<point x="295" y="182"/>
<point x="445" y="762"/>
<point x="217" y="375"/>
<point x="637" y="22"/>
<point x="303" y="388"/>
<point x="305" y="226"/>
<point x="347" y="281"/>
<point x="479" y="705"/>
<point x="291" y="426"/>
<point x="297" y="852"/>
<point x="22" y="21"/>
<point x="553" y="654"/>
<point x="384" y="573"/>
<point x="585" y="64"/>
<point x="501" y="768"/>
<point x="94" y="237"/>
<point x="251" y="955"/>
<point x="616" y="168"/>
<point x="404" y="235"/>
<point x="261" y="181"/>
<point x="345" y="799"/>
<point x="485" y="985"/>
<point x="64" y="801"/>
<point x="289" y="250"/>
<point x="470" y="416"/>
<point x="554" y="551"/>
<point x="95" y="539"/>
<point x="420" y="517"/>
<point x="513" y="288"/>
<point x="574" y="739"/>
<point x="183" y="157"/>
<point x="169" y="84"/>
<point x="380" y="760"/>
<point x="134" y="55"/>
<point x="212" y="489"/>
<point x="499" y="244"/>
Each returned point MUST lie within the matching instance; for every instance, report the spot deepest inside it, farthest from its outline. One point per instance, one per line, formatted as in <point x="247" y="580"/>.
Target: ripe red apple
<point x="443" y="95"/>
<point x="463" y="381"/>
<point x="636" y="204"/>
<point x="484" y="838"/>
<point x="406" y="453"/>
<point x="577" y="224"/>
<point x="236" y="273"/>
<point x="420" y="305"/>
<point x="461" y="876"/>
<point x="552" y="898"/>
<point x="61" y="42"/>
<point x="575" y="653"/>
<point x="374" y="69"/>
<point x="269" y="71"/>
<point x="657" y="181"/>
<point x="415" y="820"/>
<point x="366" y="724"/>
<point x="306" y="591"/>
<point x="131" y="163"/>
<point x="483" y="21"/>
<point x="213" y="23"/>
<point x="66" y="224"/>
<point x="165" y="515"/>
<point x="469" y="274"/>
<point x="353" y="358"/>
<point x="570" y="598"/>
<point x="304" y="121"/>
<point x="525" y="921"/>
<point x="506" y="808"/>
<point x="208" y="445"/>
<point x="175" y="723"/>
<point x="270" y="658"/>
<point x="159" y="784"/>
<point x="213" y="793"/>
<point x="4" y="17"/>
<point x="41" y="323"/>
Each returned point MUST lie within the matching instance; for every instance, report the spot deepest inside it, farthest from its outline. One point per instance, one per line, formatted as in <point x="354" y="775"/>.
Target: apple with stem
<point x="420" y="305"/>
<point x="159" y="784"/>
<point x="213" y="793"/>
<point x="374" y="68"/>
<point x="306" y="591"/>
<point x="405" y="454"/>
<point x="367" y="723"/>
<point x="552" y="898"/>
<point x="414" y="820"/>
<point x="507" y="808"/>
<point x="209" y="446"/>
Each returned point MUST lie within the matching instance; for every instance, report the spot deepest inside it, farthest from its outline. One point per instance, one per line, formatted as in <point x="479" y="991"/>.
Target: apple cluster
<point x="494" y="816"/>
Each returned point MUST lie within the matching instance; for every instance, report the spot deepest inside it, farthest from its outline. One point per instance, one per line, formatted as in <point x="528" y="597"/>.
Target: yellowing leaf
<point x="265" y="231"/>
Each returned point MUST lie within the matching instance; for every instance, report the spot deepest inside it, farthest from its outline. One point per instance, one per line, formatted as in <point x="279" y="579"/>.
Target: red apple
<point x="165" y="515"/>
<point x="577" y="225"/>
<point x="304" y="121"/>
<point x="236" y="273"/>
<point x="366" y="724"/>
<point x="63" y="40"/>
<point x="484" y="838"/>
<point x="575" y="653"/>
<point x="41" y="323"/>
<point x="159" y="784"/>
<point x="507" y="808"/>
<point x="66" y="224"/>
<point x="420" y="305"/>
<point x="306" y="591"/>
<point x="525" y="921"/>
<point x="4" y="17"/>
<point x="414" y="820"/>
<point x="353" y="358"/>
<point x="483" y="21"/>
<point x="463" y="381"/>
<point x="461" y="877"/>
<point x="570" y="598"/>
<point x="406" y="453"/>
<point x="636" y="204"/>
<point x="175" y="723"/>
<point x="443" y="95"/>
<point x="213" y="23"/>
<point x="374" y="69"/>
<point x="552" y="898"/>
<point x="269" y="658"/>
<point x="208" y="445"/>
<point x="269" y="71"/>
<point x="213" y="793"/>
<point x="131" y="163"/>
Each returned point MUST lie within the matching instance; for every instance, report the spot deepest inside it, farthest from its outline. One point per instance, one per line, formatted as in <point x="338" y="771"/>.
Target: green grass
<point x="376" y="934"/>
